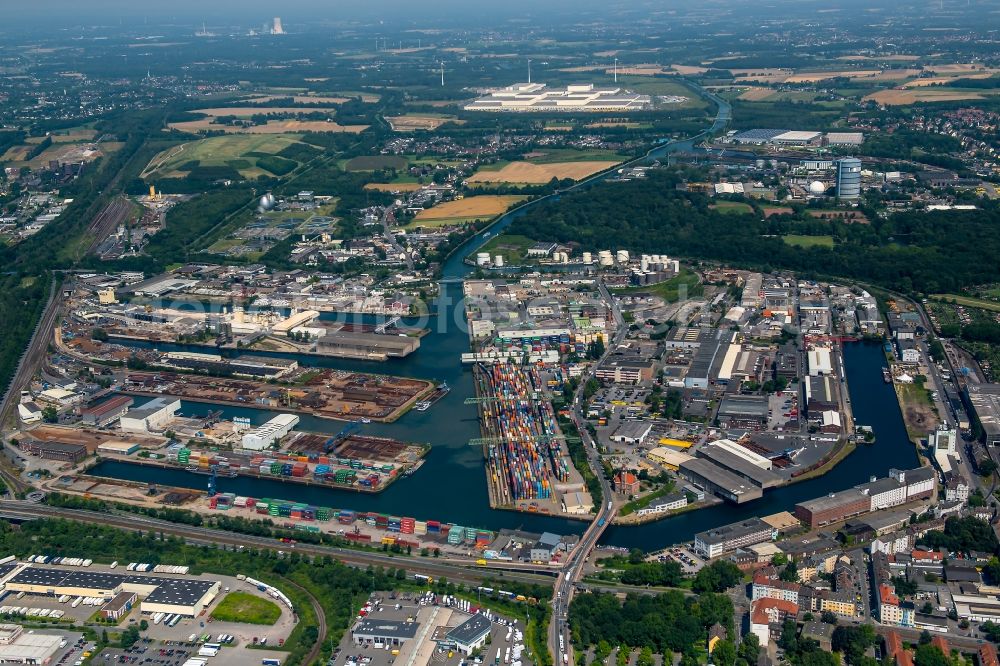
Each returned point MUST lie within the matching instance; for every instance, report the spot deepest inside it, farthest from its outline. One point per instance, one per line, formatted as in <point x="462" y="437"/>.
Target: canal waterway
<point x="451" y="485"/>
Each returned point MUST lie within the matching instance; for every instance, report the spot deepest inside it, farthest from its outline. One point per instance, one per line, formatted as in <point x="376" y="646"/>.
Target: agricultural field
<point x="376" y="162"/>
<point x="241" y="152"/>
<point x="808" y="241"/>
<point x="907" y="96"/>
<point x="272" y="127"/>
<point x="542" y="167"/>
<point x="413" y="122"/>
<point x="464" y="210"/>
<point x="393" y="187"/>
<point x="246" y="608"/>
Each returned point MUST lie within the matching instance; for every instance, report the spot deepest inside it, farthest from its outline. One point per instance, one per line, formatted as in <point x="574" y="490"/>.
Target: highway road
<point x="463" y="572"/>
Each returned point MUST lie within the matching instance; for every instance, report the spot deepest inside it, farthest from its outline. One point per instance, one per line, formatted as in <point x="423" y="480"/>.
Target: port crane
<point x="352" y="426"/>
<point x="213" y="473"/>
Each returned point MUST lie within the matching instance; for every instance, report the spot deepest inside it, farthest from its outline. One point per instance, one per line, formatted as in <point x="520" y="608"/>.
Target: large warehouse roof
<point x="175" y="591"/>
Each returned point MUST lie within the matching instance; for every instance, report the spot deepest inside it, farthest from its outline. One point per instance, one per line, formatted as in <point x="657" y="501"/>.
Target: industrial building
<point x="717" y="480"/>
<point x="470" y="635"/>
<point x="387" y="632"/>
<point x="18" y="647"/>
<point x="119" y="606"/>
<point x="743" y="411"/>
<point x="72" y="453"/>
<point x="985" y="402"/>
<point x="777" y="137"/>
<point x="538" y="97"/>
<point x="833" y="507"/>
<point x="241" y="366"/>
<point x="369" y="346"/>
<point x="182" y="596"/>
<point x="741" y="461"/>
<point x="264" y="436"/>
<point x="727" y="538"/>
<point x="151" y="417"/>
<point x="107" y="412"/>
<point x="625" y="370"/>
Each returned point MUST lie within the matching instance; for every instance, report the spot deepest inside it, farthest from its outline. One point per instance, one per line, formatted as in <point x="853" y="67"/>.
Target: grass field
<point x="732" y="207"/>
<point x="511" y="247"/>
<point x="393" y="187"/>
<point x="219" y="151"/>
<point x="246" y="608"/>
<point x="808" y="241"/>
<point x="684" y="285"/>
<point x="375" y="162"/>
<point x="968" y="301"/>
<point x="463" y="210"/>
<point x="272" y="127"/>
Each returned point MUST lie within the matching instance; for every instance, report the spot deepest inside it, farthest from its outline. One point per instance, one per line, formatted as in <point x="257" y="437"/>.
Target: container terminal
<point x="329" y="394"/>
<point x="527" y="466"/>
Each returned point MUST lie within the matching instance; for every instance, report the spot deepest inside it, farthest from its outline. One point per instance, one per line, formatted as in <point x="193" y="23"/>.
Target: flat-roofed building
<point x="267" y="434"/>
<point x="720" y="540"/>
<point x="537" y="97"/>
<point x="985" y="402"/>
<point x="833" y="507"/>
<point x="119" y="606"/>
<point x="151" y="417"/>
<point x="18" y="647"/>
<point x="625" y="370"/>
<point x="387" y="632"/>
<point x="471" y="634"/>
<point x="743" y="411"/>
<point x="367" y="345"/>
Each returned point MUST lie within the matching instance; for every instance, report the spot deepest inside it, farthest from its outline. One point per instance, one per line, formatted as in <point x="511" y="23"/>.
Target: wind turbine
<point x="529" y="70"/>
<point x="442" y="73"/>
<point x="616" y="70"/>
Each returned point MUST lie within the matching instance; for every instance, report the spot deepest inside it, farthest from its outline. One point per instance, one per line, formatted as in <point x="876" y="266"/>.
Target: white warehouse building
<point x="151" y="417"/>
<point x="264" y="436"/>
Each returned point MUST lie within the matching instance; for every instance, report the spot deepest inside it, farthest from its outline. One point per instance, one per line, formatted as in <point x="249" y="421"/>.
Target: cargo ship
<point x="886" y="376"/>
<point x="438" y="393"/>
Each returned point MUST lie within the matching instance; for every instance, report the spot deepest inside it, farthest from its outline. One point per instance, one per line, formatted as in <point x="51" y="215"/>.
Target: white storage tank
<point x="498" y="261"/>
<point x="622" y="256"/>
<point x="588" y="258"/>
<point x="483" y="259"/>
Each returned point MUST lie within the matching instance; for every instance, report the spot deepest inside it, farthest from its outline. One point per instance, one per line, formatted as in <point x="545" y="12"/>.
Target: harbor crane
<point x="351" y="427"/>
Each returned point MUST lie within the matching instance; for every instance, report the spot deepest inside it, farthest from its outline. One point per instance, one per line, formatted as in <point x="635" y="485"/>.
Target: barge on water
<point x="438" y="393"/>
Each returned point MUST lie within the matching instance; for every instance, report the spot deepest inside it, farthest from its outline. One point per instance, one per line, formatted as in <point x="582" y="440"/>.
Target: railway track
<point x="453" y="571"/>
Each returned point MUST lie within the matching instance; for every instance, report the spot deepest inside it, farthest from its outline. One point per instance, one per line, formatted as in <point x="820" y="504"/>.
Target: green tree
<point x="724" y="653"/>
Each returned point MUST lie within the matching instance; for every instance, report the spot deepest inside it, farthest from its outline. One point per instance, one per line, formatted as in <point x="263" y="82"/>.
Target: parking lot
<point x="173" y="653"/>
<point x="689" y="562"/>
<point x="435" y="620"/>
<point x="71" y="653"/>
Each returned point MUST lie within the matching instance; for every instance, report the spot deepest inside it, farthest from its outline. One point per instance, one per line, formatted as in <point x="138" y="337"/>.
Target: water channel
<point x="451" y="485"/>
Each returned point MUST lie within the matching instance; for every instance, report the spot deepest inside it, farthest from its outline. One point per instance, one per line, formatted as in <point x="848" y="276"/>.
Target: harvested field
<point x="687" y="70"/>
<point x="481" y="207"/>
<point x="756" y="94"/>
<point x="763" y="74"/>
<point x="904" y="96"/>
<point x="74" y="136"/>
<point x="885" y="58"/>
<point x="411" y="123"/>
<point x="526" y="172"/>
<point x="393" y="187"/>
<point x="941" y="80"/>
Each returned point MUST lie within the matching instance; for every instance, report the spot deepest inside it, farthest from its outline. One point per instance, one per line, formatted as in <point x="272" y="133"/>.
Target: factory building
<point x="833" y="508"/>
<point x="717" y="480"/>
<point x="264" y="436"/>
<point x="107" y="412"/>
<point x="715" y="542"/>
<point x="151" y="417"/>
<point x="183" y="596"/>
<point x="820" y="361"/>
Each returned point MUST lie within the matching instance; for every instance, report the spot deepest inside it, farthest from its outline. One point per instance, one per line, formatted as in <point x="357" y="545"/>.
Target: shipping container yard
<point x="527" y="465"/>
<point x="330" y="394"/>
